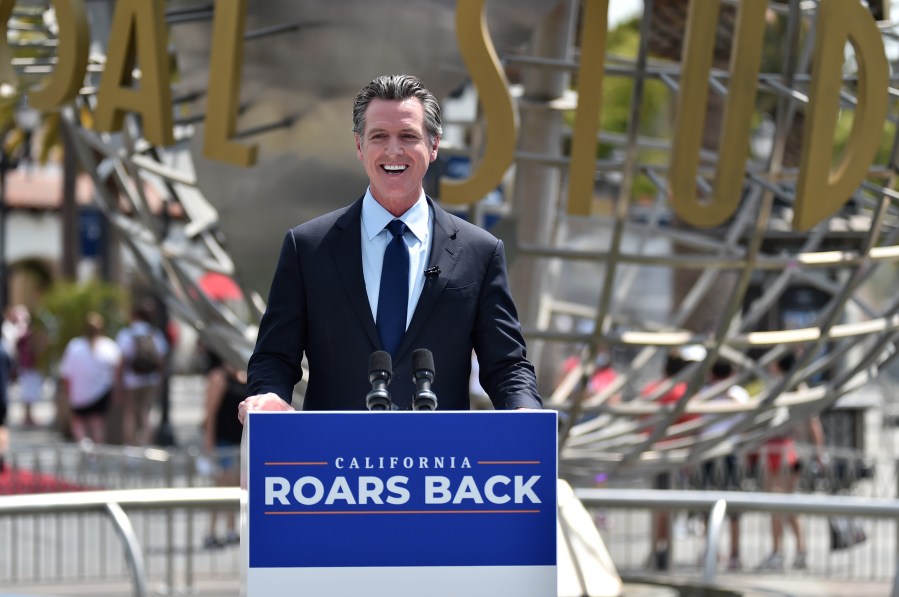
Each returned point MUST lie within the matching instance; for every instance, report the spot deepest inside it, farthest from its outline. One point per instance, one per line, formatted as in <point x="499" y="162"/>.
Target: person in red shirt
<point x="780" y="456"/>
<point x="30" y="347"/>
<point x="675" y="362"/>
<point x="603" y="375"/>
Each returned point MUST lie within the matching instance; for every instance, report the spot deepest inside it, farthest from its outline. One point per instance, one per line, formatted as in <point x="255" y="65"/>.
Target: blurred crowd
<point x="794" y="447"/>
<point x="104" y="382"/>
<point x="107" y="380"/>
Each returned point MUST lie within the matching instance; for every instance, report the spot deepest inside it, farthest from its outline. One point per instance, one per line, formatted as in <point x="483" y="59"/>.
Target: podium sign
<point x="403" y="503"/>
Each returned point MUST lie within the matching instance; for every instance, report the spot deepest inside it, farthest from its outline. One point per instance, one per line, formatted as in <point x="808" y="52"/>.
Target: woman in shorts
<point x="88" y="369"/>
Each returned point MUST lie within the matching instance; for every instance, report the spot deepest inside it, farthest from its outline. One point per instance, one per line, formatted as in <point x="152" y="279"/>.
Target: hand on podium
<point x="269" y="402"/>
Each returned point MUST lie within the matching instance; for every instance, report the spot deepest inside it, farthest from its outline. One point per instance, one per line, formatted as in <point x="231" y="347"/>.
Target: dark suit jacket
<point x="318" y="305"/>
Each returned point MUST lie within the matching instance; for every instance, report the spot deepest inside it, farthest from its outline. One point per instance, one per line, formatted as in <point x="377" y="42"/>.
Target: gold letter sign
<point x="694" y="89"/>
<point x="502" y="125"/>
<point x="821" y="190"/>
<point x="7" y="73"/>
<point x="224" y="76"/>
<point x="582" y="168"/>
<point x="71" y="57"/>
<point x="139" y="35"/>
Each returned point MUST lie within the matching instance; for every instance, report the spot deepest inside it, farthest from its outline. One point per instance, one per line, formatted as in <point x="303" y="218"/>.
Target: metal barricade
<point x="39" y="547"/>
<point x="67" y="549"/>
<point x="628" y="535"/>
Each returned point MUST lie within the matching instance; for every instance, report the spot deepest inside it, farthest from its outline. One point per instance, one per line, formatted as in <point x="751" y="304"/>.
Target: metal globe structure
<point x="632" y="276"/>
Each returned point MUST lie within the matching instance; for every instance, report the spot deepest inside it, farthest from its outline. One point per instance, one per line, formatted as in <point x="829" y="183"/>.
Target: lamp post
<point x="6" y="164"/>
<point x="165" y="434"/>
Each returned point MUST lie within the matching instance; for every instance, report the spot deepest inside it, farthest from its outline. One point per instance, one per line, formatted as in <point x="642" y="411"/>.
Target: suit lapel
<point x="445" y="252"/>
<point x="346" y="248"/>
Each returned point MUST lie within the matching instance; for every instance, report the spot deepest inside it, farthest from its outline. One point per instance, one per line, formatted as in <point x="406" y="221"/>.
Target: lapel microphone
<point x="432" y="272"/>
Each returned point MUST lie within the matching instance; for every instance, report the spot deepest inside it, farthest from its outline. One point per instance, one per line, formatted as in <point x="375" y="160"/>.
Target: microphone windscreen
<point x="422" y="359"/>
<point x="380" y="361"/>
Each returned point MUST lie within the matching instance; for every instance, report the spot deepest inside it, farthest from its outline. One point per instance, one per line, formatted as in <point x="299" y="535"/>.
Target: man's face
<point x="396" y="152"/>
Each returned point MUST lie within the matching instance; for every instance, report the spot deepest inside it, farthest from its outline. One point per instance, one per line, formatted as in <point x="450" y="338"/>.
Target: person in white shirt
<point x="734" y="394"/>
<point x="88" y="369"/>
<point x="724" y="473"/>
<point x="144" y="349"/>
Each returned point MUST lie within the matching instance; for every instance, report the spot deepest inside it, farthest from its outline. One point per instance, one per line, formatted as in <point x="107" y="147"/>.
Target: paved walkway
<point x="768" y="585"/>
<point x="206" y="588"/>
<point x="746" y="587"/>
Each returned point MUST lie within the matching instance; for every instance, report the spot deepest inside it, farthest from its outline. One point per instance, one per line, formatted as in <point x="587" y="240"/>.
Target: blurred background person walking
<point x="723" y="473"/>
<point x="226" y="387"/>
<point x="668" y="391"/>
<point x="140" y="375"/>
<point x="781" y="459"/>
<point x="603" y="375"/>
<point x="12" y="329"/>
<point x="88" y="370"/>
<point x="30" y="346"/>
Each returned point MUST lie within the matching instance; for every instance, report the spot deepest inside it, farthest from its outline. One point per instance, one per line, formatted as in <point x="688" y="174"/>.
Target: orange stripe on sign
<point x="410" y="512"/>
<point x="508" y="462"/>
<point x="296" y="464"/>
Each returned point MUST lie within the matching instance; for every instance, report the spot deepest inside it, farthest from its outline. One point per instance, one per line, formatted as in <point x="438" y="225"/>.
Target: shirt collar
<point x="375" y="217"/>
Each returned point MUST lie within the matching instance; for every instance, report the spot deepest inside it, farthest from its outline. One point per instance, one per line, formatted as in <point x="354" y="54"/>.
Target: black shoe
<point x="661" y="559"/>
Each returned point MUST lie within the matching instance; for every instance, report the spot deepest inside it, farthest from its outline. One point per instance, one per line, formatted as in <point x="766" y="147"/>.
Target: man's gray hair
<point x="398" y="88"/>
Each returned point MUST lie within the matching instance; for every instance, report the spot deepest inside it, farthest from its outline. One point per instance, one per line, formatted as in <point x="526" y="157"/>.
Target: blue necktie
<point x="393" y="296"/>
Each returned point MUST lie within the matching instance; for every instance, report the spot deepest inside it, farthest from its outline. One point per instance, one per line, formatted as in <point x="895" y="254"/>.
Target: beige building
<point x="33" y="234"/>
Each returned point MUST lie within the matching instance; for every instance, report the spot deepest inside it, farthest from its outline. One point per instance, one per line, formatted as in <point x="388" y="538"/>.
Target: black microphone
<point x="432" y="272"/>
<point x="380" y="371"/>
<point x="423" y="375"/>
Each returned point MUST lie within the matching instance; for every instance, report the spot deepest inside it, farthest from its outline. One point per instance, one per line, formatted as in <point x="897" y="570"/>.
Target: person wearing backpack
<point x="144" y="350"/>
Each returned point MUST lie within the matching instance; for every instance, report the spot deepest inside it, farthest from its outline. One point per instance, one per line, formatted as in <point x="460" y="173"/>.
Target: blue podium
<point x="352" y="504"/>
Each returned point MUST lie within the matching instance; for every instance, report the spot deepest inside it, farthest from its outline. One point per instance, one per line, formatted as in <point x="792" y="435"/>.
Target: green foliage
<point x="623" y="42"/>
<point x="844" y="129"/>
<point x="617" y="91"/>
<point x="65" y="306"/>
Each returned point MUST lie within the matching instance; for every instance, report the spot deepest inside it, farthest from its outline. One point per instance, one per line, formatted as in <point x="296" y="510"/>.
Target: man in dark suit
<point x="394" y="272"/>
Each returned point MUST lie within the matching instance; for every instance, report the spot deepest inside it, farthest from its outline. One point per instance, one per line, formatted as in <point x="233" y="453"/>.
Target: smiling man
<point x="391" y="272"/>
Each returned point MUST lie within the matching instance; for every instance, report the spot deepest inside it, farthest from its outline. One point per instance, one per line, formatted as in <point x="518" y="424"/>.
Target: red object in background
<point x="21" y="481"/>
<point x="220" y="287"/>
<point x="172" y="333"/>
<point x="603" y="376"/>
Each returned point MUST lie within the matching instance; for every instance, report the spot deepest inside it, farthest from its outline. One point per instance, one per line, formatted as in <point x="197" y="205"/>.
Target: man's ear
<point x="358" y="145"/>
<point x="433" y="153"/>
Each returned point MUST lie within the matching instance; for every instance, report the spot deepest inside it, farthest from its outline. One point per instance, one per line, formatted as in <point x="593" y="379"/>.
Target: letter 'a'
<point x="138" y="37"/>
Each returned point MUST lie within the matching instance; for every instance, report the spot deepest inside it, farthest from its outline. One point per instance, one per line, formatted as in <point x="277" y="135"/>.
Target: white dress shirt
<point x="419" y="222"/>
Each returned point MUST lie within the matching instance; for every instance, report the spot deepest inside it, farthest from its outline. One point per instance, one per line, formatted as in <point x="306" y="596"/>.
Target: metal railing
<point x="54" y="467"/>
<point x="121" y="506"/>
<point x="718" y="503"/>
<point x="116" y="506"/>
